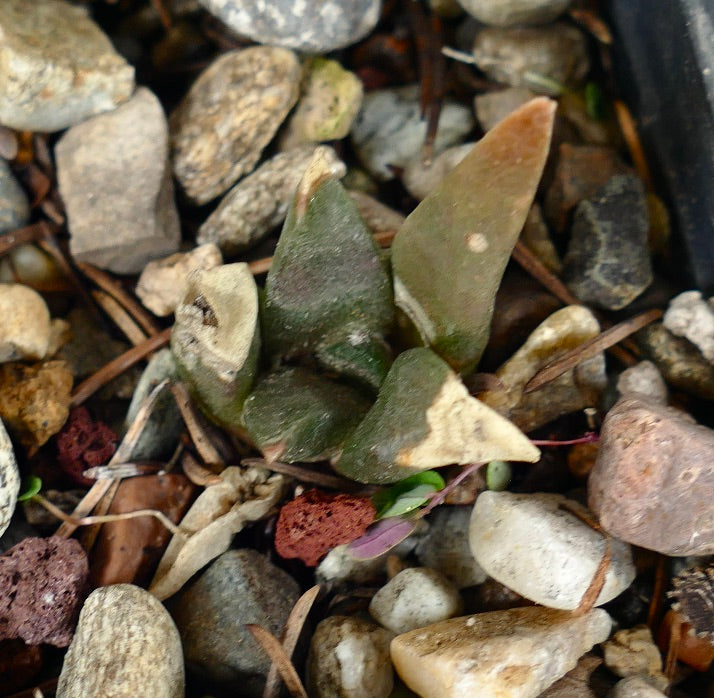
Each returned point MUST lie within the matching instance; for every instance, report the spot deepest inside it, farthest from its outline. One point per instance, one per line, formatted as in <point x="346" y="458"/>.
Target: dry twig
<point x="272" y="647"/>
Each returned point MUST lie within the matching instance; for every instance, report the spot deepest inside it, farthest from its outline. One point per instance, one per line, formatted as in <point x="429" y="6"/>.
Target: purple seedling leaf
<point x="380" y="538"/>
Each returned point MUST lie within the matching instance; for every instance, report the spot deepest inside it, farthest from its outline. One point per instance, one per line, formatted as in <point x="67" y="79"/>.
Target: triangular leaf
<point x="381" y="537"/>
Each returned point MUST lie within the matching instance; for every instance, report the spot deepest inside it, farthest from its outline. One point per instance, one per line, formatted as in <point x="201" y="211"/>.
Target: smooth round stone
<point x="25" y="328"/>
<point x="349" y="658"/>
<point x="313" y="26"/>
<point x="415" y="597"/>
<point x="691" y="316"/>
<point x="14" y="207"/>
<point x="9" y="479"/>
<point x="125" y="645"/>
<point x="421" y="179"/>
<point x="229" y="115"/>
<point x="643" y="378"/>
<point x="506" y="13"/>
<point x="56" y="66"/>
<point x="531" y="544"/>
<point x="389" y="129"/>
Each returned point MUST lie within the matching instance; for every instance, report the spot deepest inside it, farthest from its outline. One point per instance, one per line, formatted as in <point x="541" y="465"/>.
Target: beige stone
<point x="25" y="328"/>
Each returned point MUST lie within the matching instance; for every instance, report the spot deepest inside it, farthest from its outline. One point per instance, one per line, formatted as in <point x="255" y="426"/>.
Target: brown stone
<point x="128" y="551"/>
<point x="653" y="478"/>
<point x="580" y="172"/>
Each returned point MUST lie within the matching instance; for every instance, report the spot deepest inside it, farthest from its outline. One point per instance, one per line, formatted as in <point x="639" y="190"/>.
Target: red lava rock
<point x="315" y="522"/>
<point x="19" y="664"/>
<point x="653" y="478"/>
<point x="83" y="444"/>
<point x="128" y="551"/>
<point x="43" y="582"/>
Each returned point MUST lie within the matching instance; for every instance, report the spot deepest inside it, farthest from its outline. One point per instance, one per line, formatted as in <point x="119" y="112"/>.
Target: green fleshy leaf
<point x="498" y="475"/>
<point x="294" y="415"/>
<point x="595" y="103"/>
<point x="424" y="418"/>
<point x="30" y="487"/>
<point x="407" y="494"/>
<point x="450" y="254"/>
<point x="364" y="359"/>
<point x="327" y="287"/>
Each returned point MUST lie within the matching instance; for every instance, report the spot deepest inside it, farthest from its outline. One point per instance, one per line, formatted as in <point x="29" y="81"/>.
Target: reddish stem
<point x="587" y="438"/>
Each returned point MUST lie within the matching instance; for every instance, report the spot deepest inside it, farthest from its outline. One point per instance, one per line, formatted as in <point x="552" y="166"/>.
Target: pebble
<point x="240" y="587"/>
<point x="536" y="237"/>
<point x="389" y="129"/>
<point x="632" y="652"/>
<point x="643" y="378"/>
<point x="9" y="480"/>
<point x="653" y="478"/>
<point x="378" y="217"/>
<point x="634" y="687"/>
<point x="494" y="106"/>
<point x="349" y="658"/>
<point x="515" y="653"/>
<point x="113" y="174"/>
<point x="34" y="400"/>
<point x="533" y="57"/>
<point x="681" y="364"/>
<point x="533" y="545"/>
<point x="43" y="582"/>
<point x="125" y="645"/>
<point x="312" y="27"/>
<point x="608" y="262"/>
<point x="259" y="202"/>
<point x="577" y="388"/>
<point x="576" y="683"/>
<point x="58" y="67"/>
<point x="445" y="547"/>
<point x="507" y="13"/>
<point x="25" y="329"/>
<point x="421" y="178"/>
<point x="690" y="316"/>
<point x="415" y="597"/>
<point x="331" y="98"/>
<point x="581" y="171"/>
<point x="229" y="115"/>
<point x="14" y="206"/>
<point x="161" y="284"/>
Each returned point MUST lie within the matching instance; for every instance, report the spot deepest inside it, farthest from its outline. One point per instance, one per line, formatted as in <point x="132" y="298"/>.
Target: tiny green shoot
<point x="407" y="495"/>
<point x="31" y="486"/>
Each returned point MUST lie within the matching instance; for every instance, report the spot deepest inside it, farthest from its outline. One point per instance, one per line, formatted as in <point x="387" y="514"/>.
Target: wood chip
<point x="272" y="647"/>
<point x="119" y="317"/>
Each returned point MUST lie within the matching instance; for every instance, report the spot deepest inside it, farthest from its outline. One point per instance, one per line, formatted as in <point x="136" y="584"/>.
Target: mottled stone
<point x="389" y="129"/>
<point x="690" y="316"/>
<point x="577" y="388"/>
<point x="229" y="115"/>
<point x="259" y="202"/>
<point x="491" y="107"/>
<point x="643" y="378"/>
<point x="34" y="400"/>
<point x="608" y="261"/>
<point x="313" y="27"/>
<point x="525" y="56"/>
<point x="240" y="587"/>
<point x="516" y="653"/>
<point x="161" y="284"/>
<point x="331" y="97"/>
<point x="125" y="645"/>
<point x="415" y="597"/>
<point x="349" y="658"/>
<point x="576" y="683"/>
<point x="25" y="329"/>
<point x="421" y="178"/>
<point x="57" y="67"/>
<point x="114" y="175"/>
<point x="506" y="13"/>
<point x="43" y="582"/>
<point x="634" y="687"/>
<point x="581" y="171"/>
<point x="534" y="545"/>
<point x="9" y="480"/>
<point x="632" y="652"/>
<point x="653" y="478"/>
<point x="14" y="206"/>
<point x="445" y="547"/>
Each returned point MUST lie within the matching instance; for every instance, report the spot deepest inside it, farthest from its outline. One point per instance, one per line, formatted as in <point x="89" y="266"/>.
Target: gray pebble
<point x="57" y="68"/>
<point x="634" y="687"/>
<point x="313" y="27"/>
<point x="492" y="107"/>
<point x="506" y="13"/>
<point x="114" y="175"/>
<point x="229" y="115"/>
<point x="644" y="378"/>
<point x="14" y="206"/>
<point x="240" y="587"/>
<point x="421" y="179"/>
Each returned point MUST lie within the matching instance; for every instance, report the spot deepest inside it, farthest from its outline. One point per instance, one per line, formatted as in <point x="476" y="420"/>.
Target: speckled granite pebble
<point x="229" y="115"/>
<point x="311" y="26"/>
<point x="9" y="479"/>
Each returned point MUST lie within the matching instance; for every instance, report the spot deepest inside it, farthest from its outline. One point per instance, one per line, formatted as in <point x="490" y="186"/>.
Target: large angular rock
<point x="516" y="653"/>
<point x="56" y="66"/>
<point x="115" y="179"/>
<point x="653" y="478"/>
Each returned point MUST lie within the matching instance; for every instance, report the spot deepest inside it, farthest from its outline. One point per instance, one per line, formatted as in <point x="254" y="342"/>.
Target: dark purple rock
<point x="43" y="582"/>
